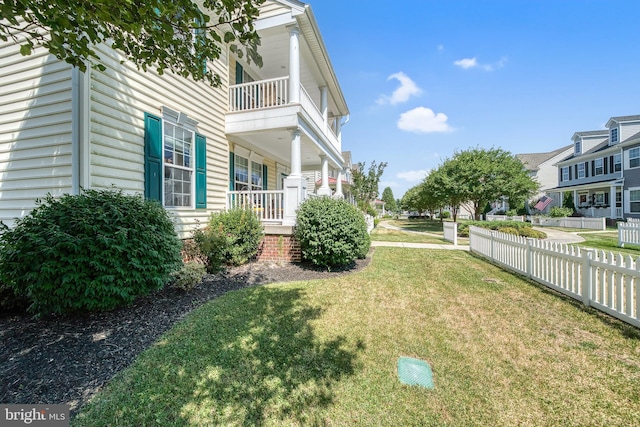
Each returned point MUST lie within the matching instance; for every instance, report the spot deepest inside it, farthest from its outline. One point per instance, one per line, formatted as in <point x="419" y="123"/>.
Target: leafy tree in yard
<point x="365" y="184"/>
<point x="389" y="200"/>
<point x="567" y="201"/>
<point x="176" y="35"/>
<point x="476" y="176"/>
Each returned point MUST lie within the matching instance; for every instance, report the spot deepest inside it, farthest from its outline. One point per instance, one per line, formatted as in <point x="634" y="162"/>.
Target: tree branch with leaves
<point x="168" y="35"/>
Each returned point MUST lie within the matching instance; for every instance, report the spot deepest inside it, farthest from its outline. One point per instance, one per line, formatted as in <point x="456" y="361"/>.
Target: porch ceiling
<point x="276" y="144"/>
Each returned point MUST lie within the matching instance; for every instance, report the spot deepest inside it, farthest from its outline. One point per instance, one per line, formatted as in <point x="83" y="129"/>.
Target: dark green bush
<point x="95" y="251"/>
<point x="331" y="232"/>
<point x="232" y="237"/>
<point x="559" y="212"/>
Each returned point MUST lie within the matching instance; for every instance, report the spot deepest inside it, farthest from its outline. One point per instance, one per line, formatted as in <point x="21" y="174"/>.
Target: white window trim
<point x="619" y="162"/>
<point x="596" y="167"/>
<point x="581" y="168"/>
<point x="565" y="173"/>
<point x="577" y="146"/>
<point x="617" y="134"/>
<point x="632" y="158"/>
<point x="192" y="189"/>
<point x="628" y="200"/>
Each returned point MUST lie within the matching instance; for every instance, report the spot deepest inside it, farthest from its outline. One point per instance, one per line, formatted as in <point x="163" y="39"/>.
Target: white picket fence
<point x="629" y="233"/>
<point x="571" y="222"/>
<point x="606" y="281"/>
<point x="450" y="232"/>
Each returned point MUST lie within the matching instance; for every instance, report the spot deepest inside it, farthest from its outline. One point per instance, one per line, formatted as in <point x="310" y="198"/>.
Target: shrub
<point x="558" y="212"/>
<point x="242" y="230"/>
<point x="210" y="247"/>
<point x="511" y="227"/>
<point x="188" y="276"/>
<point x="94" y="251"/>
<point x="331" y="232"/>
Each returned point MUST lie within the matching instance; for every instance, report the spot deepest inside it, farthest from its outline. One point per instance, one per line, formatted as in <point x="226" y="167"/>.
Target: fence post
<point x="620" y="240"/>
<point x="493" y="236"/>
<point x="587" y="277"/>
<point x="455" y="234"/>
<point x="529" y="266"/>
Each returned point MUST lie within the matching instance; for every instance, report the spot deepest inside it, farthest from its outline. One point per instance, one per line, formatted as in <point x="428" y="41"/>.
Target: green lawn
<point x="607" y="241"/>
<point x="504" y="352"/>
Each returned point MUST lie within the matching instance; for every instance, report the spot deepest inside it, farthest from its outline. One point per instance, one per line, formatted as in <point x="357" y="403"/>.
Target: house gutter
<point x="75" y="130"/>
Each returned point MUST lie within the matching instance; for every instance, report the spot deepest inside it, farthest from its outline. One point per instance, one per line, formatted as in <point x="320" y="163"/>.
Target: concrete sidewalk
<point x="560" y="236"/>
<point x="421" y="245"/>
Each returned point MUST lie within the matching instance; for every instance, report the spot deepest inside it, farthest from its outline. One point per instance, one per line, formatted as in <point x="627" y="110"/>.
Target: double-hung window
<point x="565" y="173"/>
<point x="617" y="162"/>
<point x="634" y="200"/>
<point x="634" y="157"/>
<point x="577" y="146"/>
<point x="175" y="161"/>
<point x="599" y="167"/>
<point x="580" y="170"/>
<point x="248" y="174"/>
<point x="614" y="135"/>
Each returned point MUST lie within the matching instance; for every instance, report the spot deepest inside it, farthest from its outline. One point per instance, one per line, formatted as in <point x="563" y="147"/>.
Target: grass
<point x="607" y="242"/>
<point x="422" y="225"/>
<point x="503" y="351"/>
<point x="388" y="235"/>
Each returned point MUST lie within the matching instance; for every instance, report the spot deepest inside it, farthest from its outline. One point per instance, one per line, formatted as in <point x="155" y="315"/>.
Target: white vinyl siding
<point x="35" y="130"/>
<point x="119" y="97"/>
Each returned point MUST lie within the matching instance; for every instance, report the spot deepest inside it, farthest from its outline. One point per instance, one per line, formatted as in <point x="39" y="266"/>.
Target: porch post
<point x="294" y="65"/>
<point x="338" y="194"/>
<point x="612" y="202"/>
<point x="576" y="202"/>
<point x="339" y="131"/>
<point x="324" y="189"/>
<point x="324" y="108"/>
<point x="295" y="186"/>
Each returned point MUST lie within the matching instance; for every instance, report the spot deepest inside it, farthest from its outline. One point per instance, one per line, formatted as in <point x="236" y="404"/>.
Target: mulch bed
<point x="69" y="359"/>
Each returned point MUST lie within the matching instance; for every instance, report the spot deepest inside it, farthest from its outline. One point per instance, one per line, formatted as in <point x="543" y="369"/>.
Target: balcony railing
<point x="271" y="93"/>
<point x="267" y="204"/>
<point x="257" y="95"/>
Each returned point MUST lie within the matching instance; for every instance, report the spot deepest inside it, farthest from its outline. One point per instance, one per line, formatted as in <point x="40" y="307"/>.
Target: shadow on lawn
<point x="248" y="358"/>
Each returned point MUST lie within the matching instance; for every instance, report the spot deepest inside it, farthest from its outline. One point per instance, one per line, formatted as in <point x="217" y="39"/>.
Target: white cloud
<point x="407" y="89"/>
<point x="412" y="176"/>
<point x="423" y="120"/>
<point x="468" y="63"/>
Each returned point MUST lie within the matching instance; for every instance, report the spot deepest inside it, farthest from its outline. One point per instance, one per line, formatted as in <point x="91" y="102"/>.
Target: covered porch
<point x="598" y="200"/>
<point x="293" y="115"/>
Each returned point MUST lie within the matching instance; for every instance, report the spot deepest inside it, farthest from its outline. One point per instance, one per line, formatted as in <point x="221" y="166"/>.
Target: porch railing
<point x="267" y="204"/>
<point x="260" y="94"/>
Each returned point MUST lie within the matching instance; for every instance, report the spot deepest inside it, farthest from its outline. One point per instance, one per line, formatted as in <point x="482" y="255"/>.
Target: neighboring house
<point x="603" y="172"/>
<point x="195" y="148"/>
<point x="542" y="168"/>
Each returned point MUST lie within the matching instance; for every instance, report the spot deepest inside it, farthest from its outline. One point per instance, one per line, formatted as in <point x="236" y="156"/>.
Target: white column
<point x="339" y="131"/>
<point x="324" y="189"/>
<point x="295" y="186"/>
<point x="324" y="107"/>
<point x="294" y="65"/>
<point x="612" y="202"/>
<point x="296" y="154"/>
<point x="338" y="194"/>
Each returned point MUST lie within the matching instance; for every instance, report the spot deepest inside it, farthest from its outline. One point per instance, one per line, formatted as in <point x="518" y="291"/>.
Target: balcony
<point x="265" y="105"/>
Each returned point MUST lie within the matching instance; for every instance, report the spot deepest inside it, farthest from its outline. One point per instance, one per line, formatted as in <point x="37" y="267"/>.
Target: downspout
<point x="75" y="130"/>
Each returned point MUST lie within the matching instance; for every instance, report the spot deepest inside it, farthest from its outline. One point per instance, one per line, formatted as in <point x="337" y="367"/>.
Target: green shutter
<point x="265" y="177"/>
<point x="152" y="157"/>
<point x="239" y="73"/>
<point x="232" y="167"/>
<point x="201" y="171"/>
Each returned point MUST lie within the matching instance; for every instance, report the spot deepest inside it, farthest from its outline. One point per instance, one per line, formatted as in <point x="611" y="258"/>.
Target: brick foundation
<point x="277" y="247"/>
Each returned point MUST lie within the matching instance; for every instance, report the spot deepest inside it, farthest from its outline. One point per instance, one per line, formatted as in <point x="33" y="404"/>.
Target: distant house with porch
<point x="603" y="172"/>
<point x="194" y="148"/>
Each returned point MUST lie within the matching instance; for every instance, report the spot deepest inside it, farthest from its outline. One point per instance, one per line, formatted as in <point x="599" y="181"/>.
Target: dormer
<point x="583" y="142"/>
<point x="622" y="128"/>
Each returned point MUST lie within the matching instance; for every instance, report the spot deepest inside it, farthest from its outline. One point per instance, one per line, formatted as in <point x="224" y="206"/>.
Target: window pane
<point x="178" y="166"/>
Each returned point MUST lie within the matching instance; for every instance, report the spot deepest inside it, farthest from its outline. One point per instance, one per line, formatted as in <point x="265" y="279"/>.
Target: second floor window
<point x="634" y="157"/>
<point x="580" y="170"/>
<point x="578" y="147"/>
<point x="565" y="173"/>
<point x="599" y="167"/>
<point x="617" y="162"/>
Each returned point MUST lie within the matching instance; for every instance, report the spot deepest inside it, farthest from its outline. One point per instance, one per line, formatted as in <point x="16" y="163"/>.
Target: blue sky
<point x="424" y="78"/>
